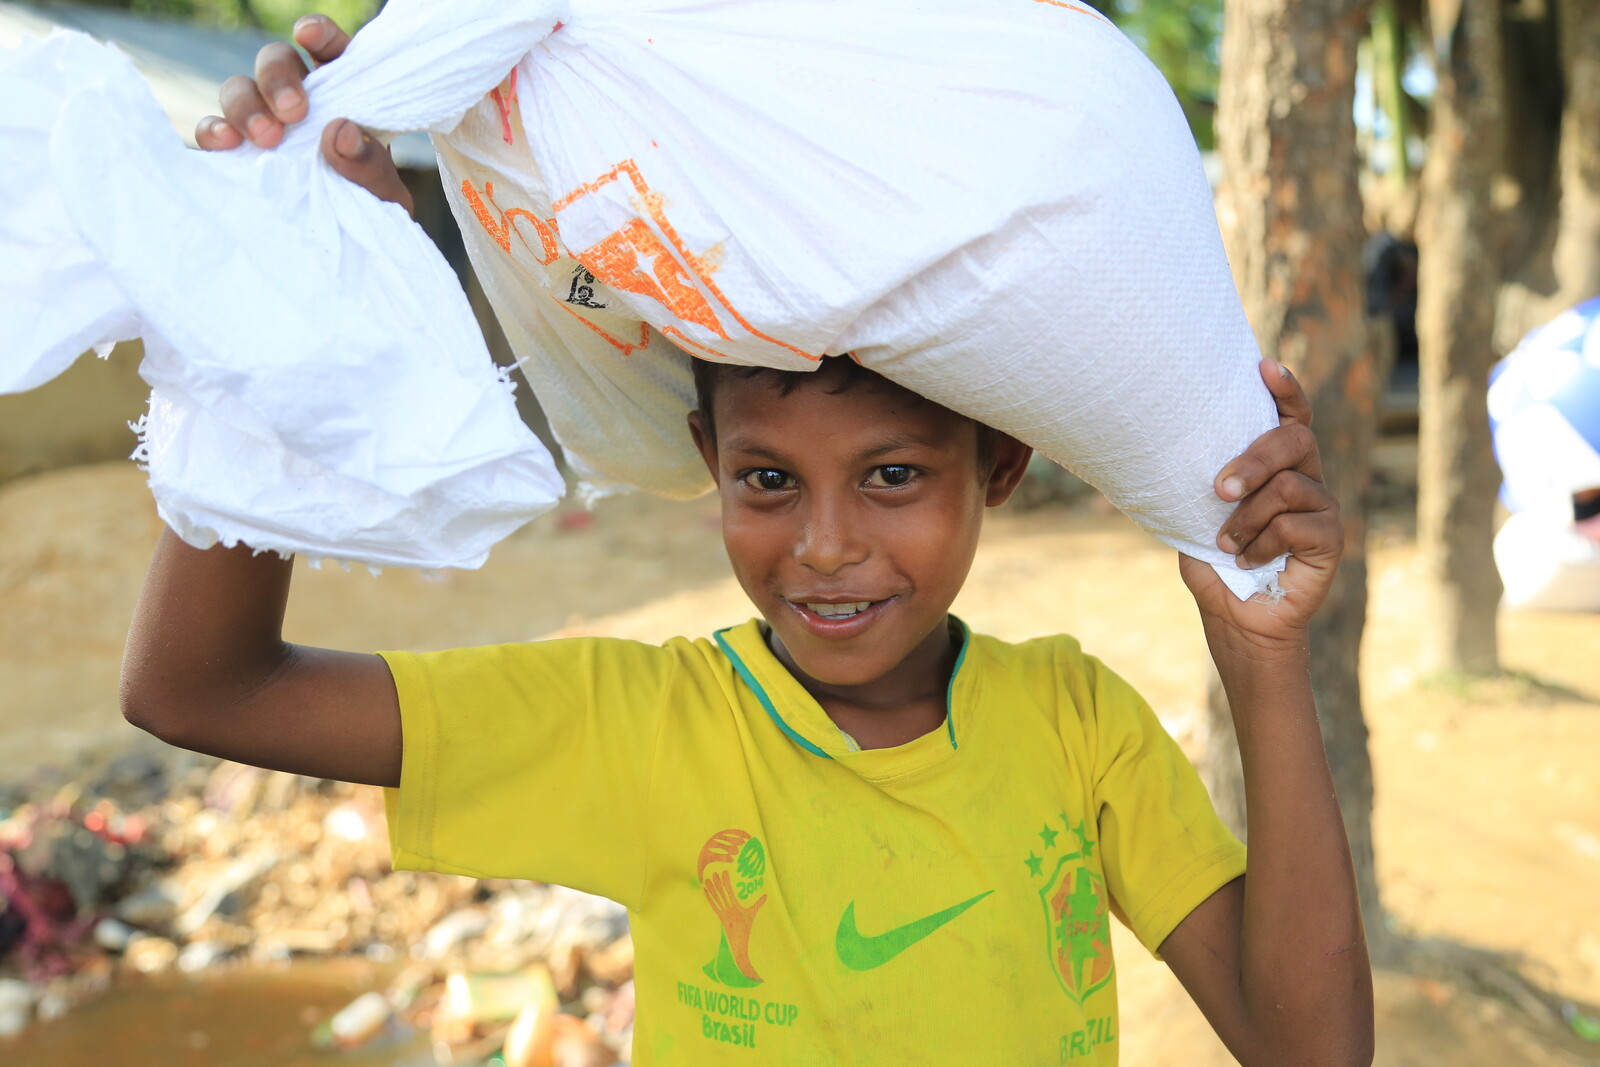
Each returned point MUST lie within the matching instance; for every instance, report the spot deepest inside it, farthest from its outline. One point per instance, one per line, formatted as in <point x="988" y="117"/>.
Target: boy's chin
<point x="856" y="662"/>
<point x="841" y="670"/>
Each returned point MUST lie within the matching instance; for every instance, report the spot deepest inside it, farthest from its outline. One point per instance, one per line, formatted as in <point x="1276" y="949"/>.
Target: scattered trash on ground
<point x="1585" y="1026"/>
<point x="148" y="869"/>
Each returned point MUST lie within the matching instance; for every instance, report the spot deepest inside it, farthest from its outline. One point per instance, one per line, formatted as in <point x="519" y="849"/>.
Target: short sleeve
<point x="1164" y="849"/>
<point x="529" y="761"/>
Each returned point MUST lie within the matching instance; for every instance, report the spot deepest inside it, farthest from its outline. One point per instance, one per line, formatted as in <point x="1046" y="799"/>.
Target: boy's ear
<point x="703" y="443"/>
<point x="1011" y="459"/>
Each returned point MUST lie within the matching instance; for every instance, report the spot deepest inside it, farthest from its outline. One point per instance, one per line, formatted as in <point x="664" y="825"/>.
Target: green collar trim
<point x="761" y="695"/>
<point x="955" y="672"/>
<point x="744" y="672"/>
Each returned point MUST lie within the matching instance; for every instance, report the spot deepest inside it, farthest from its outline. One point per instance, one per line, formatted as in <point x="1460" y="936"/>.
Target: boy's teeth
<point x="839" y="611"/>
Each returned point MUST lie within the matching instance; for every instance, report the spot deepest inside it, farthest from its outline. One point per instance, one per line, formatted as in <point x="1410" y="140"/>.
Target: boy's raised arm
<point x="1277" y="960"/>
<point x="206" y="668"/>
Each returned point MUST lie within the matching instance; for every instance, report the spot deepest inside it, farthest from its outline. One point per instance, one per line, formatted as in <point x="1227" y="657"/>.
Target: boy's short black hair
<point x="707" y="373"/>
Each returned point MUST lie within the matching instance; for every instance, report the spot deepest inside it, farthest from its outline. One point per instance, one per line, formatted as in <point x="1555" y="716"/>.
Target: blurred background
<point x="1410" y="195"/>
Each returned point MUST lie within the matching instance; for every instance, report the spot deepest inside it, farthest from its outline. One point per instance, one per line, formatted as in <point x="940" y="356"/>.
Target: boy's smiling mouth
<point x="831" y="615"/>
<point x="839" y="611"/>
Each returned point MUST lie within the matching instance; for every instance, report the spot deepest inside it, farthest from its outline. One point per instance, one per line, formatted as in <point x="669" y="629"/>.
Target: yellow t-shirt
<point x="797" y="901"/>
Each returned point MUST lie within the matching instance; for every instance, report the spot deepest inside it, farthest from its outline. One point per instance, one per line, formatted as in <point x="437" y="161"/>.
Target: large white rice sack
<point x="998" y="206"/>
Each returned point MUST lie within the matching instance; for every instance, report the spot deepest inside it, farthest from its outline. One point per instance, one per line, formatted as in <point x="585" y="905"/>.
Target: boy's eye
<point x="766" y="479"/>
<point x="890" y="476"/>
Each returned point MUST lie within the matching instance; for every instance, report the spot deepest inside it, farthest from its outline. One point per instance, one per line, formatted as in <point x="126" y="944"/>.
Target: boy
<point x="854" y="832"/>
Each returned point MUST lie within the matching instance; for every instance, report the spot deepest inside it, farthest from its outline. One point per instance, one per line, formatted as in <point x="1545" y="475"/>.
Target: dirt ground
<point x="1488" y="819"/>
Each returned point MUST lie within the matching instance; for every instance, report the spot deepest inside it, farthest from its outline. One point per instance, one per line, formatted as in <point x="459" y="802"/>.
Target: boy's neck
<point x="895" y="708"/>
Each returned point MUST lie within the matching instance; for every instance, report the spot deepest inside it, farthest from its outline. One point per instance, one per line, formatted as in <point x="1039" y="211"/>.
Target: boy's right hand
<point x="257" y="109"/>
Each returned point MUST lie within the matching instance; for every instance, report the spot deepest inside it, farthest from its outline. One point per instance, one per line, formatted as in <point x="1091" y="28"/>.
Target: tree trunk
<point x="1458" y="275"/>
<point x="1577" y="253"/>
<point x="1291" y="218"/>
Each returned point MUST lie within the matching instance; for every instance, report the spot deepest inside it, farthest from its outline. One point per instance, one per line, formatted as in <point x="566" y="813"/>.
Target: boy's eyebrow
<point x="895" y="444"/>
<point x="745" y="446"/>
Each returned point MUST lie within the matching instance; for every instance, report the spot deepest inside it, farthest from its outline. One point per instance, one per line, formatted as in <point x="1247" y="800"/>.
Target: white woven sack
<point x="319" y="383"/>
<point x="997" y="206"/>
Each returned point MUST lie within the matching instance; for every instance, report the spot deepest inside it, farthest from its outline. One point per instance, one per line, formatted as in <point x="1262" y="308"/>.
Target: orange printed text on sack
<point x="646" y="256"/>
<point x="503" y="224"/>
<point x="634" y="260"/>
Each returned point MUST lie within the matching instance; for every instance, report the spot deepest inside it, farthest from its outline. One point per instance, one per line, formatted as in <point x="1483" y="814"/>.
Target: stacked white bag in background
<point x="1544" y="409"/>
<point x="997" y="206"/>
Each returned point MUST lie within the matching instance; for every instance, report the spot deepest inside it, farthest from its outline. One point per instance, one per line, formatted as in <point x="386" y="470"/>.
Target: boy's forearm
<point x="1304" y="973"/>
<point x="207" y="631"/>
<point x="207" y="668"/>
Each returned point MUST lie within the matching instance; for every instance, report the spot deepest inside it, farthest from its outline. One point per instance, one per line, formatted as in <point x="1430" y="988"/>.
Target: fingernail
<point x="1228" y="544"/>
<point x="315" y="31"/>
<point x="350" y="142"/>
<point x="1283" y="372"/>
<point x="1232" y="488"/>
<point x="1243" y="564"/>
<point x="260" y="126"/>
<point x="287" y="100"/>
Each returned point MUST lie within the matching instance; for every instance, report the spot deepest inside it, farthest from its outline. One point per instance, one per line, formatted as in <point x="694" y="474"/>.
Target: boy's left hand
<point x="1283" y="507"/>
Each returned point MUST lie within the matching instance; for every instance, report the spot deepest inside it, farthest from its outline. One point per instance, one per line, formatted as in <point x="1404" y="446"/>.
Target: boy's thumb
<point x="359" y="157"/>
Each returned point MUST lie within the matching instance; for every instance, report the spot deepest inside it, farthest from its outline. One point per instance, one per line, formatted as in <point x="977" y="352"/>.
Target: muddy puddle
<point x="236" y="1017"/>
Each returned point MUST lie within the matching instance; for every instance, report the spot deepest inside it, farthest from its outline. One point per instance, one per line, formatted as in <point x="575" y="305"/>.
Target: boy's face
<point x="850" y="517"/>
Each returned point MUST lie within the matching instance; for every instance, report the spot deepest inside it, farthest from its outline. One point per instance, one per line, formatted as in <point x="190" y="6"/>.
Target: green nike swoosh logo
<point x="861" y="953"/>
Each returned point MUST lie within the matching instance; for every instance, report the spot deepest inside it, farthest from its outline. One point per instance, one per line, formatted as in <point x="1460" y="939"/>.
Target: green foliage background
<point x="1181" y="37"/>
<point x="275" y="16"/>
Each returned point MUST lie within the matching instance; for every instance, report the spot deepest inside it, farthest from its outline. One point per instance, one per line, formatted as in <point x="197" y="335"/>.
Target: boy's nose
<point x="829" y="538"/>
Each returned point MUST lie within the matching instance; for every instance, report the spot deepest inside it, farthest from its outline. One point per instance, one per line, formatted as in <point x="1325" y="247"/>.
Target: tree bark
<point x="1458" y="275"/>
<point x="1577" y="252"/>
<point x="1291" y="219"/>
